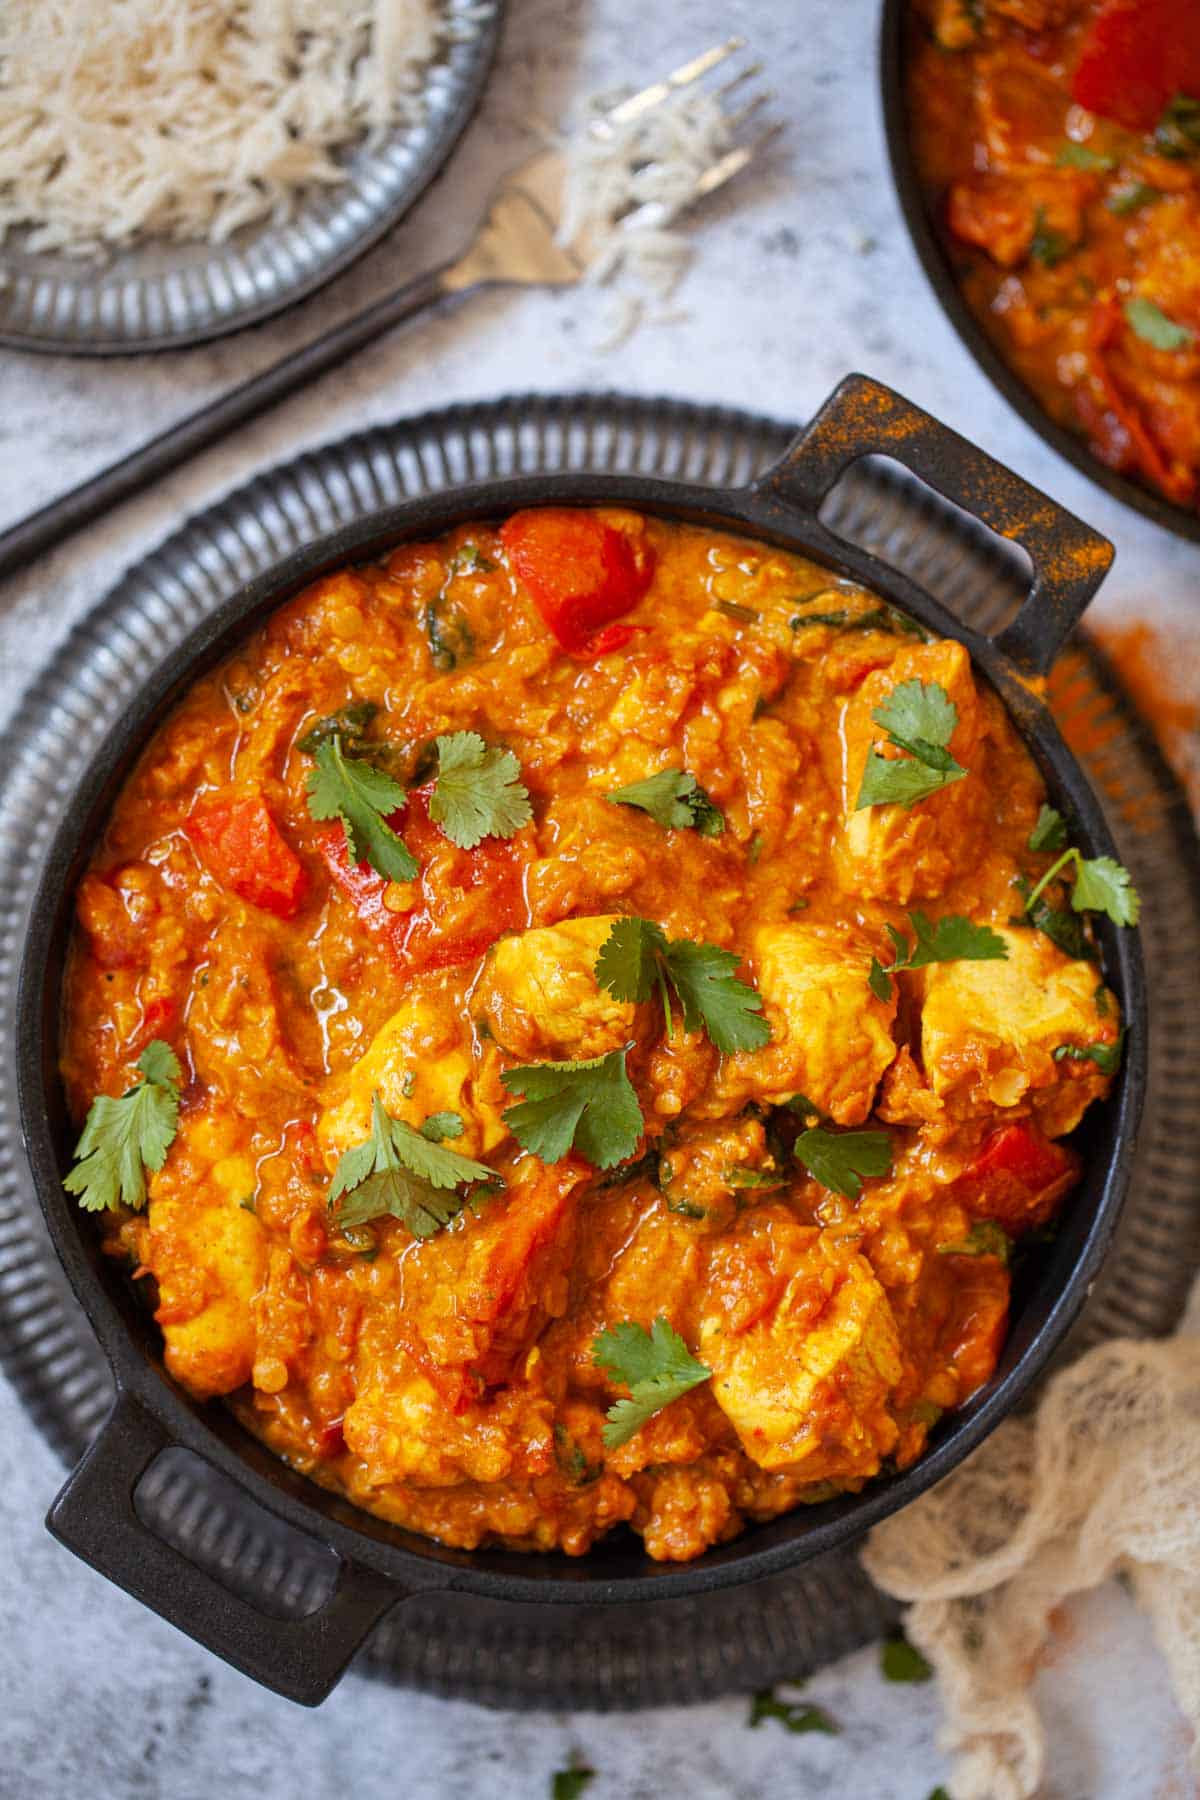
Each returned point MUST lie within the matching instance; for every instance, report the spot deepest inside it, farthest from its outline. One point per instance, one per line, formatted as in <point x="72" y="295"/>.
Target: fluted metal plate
<point x="162" y="295"/>
<point x="657" y="1652"/>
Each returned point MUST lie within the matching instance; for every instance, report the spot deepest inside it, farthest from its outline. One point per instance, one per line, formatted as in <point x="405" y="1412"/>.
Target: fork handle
<point x="56" y="521"/>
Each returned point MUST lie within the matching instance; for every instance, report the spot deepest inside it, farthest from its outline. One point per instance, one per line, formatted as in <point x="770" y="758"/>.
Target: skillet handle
<point x="863" y="417"/>
<point x="95" y="1517"/>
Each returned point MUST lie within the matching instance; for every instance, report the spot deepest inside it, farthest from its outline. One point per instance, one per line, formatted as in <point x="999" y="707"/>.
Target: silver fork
<point x="516" y="245"/>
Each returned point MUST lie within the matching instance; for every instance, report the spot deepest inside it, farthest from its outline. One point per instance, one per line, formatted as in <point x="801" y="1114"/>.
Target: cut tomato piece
<point x="580" y="573"/>
<point x="1018" y="1178"/>
<point x="1137" y="55"/>
<point x="243" y="848"/>
<point x="456" y="907"/>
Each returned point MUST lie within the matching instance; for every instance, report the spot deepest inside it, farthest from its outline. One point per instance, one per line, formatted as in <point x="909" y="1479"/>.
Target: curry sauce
<point x="444" y="1375"/>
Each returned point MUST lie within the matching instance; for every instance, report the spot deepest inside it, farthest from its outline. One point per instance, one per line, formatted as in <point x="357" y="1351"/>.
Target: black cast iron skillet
<point x="936" y="261"/>
<point x="381" y="1565"/>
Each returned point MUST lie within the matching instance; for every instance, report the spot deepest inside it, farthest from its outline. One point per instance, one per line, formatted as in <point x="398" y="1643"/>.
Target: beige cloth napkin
<point x="1104" y="1478"/>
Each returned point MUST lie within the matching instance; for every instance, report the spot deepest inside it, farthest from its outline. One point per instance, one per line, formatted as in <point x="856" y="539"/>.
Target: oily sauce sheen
<point x="448" y="1383"/>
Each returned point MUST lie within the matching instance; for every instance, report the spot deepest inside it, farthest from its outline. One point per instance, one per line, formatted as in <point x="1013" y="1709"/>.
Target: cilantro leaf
<point x="361" y="796"/>
<point x="1101" y="885"/>
<point x="124" y="1137"/>
<point x="675" y="800"/>
<point x="711" y="995"/>
<point x="741" y="1177"/>
<point x="1177" y="133"/>
<point x="1050" y="832"/>
<point x="918" y="709"/>
<point x="590" y="1106"/>
<point x="919" y="717"/>
<point x="478" y="792"/>
<point x="656" y="1366"/>
<point x="953" y="939"/>
<point x="1107" y="1057"/>
<point x="901" y="781"/>
<point x="877" y="618"/>
<point x="442" y="1125"/>
<point x="1047" y="246"/>
<point x="1082" y="156"/>
<point x="629" y="961"/>
<point x="398" y="1171"/>
<point x="1151" y="324"/>
<point x="797" y="1716"/>
<point x="637" y="954"/>
<point x="839" y="1159"/>
<point x="901" y="1661"/>
<point x="985" y="1238"/>
<point x="349" y="723"/>
<point x="569" y="1783"/>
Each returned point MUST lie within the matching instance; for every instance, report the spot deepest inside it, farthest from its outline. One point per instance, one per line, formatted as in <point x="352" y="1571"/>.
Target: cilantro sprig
<point x="675" y="800"/>
<point x="840" y="1159"/>
<point x="656" y="1366"/>
<point x="1101" y="883"/>
<point x="637" y="956"/>
<point x="588" y="1106"/>
<point x="478" y="791"/>
<point x="123" y="1137"/>
<point x="952" y="939"/>
<point x="353" y="790"/>
<point x="919" y="718"/>
<point x="404" y="1173"/>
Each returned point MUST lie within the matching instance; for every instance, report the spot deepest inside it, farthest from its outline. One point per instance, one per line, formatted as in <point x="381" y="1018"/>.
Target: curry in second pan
<point x="1059" y="142"/>
<point x="583" y="1015"/>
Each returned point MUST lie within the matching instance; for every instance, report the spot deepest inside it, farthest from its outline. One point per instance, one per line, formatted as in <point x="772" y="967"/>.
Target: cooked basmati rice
<point x="626" y="190"/>
<point x="123" y="119"/>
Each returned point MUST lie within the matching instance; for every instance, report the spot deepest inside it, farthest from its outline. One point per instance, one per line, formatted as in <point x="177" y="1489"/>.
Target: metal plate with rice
<point x="163" y="295"/>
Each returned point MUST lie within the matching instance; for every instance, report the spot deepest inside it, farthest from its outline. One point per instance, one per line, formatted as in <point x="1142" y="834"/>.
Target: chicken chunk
<point x="803" y="1347"/>
<point x="830" y="1036"/>
<point x="540" y="995"/>
<point x="898" y="853"/>
<point x="989" y="1031"/>
<point x="423" y="1061"/>
<point x="208" y="1255"/>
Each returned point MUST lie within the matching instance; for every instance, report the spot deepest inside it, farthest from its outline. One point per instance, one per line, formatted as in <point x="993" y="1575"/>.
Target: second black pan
<point x="935" y="261"/>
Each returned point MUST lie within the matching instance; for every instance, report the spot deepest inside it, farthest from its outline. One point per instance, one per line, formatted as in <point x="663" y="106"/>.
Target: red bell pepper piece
<point x="1022" y="1152"/>
<point x="1105" y="328"/>
<point x="1017" y="1179"/>
<point x="581" y="573"/>
<point x="1137" y="55"/>
<point x="419" y="938"/>
<point x="243" y="848"/>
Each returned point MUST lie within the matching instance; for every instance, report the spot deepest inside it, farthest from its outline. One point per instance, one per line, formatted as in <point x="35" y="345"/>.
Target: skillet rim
<point x="403" y="1559"/>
